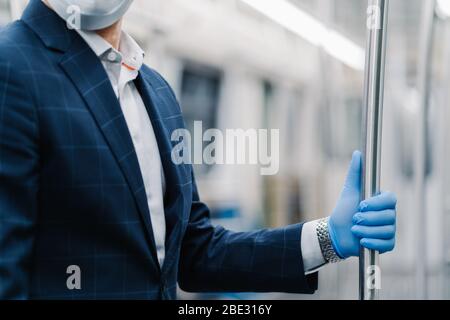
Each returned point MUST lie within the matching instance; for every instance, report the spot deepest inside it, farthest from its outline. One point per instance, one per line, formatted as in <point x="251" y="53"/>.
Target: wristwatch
<point x="323" y="234"/>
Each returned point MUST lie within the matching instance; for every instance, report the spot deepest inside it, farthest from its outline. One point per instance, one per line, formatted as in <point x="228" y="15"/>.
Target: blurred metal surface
<point x="369" y="268"/>
<point x="424" y="89"/>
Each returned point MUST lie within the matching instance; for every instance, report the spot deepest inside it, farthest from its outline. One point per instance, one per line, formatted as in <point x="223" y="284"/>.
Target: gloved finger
<point x="353" y="180"/>
<point x="384" y="201"/>
<point x="379" y="232"/>
<point x="375" y="218"/>
<point x="380" y="245"/>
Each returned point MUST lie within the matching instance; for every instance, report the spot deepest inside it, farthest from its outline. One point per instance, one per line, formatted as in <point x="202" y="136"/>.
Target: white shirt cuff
<point x="313" y="259"/>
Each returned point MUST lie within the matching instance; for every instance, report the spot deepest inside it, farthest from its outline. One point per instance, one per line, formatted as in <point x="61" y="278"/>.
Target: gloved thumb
<point x="353" y="180"/>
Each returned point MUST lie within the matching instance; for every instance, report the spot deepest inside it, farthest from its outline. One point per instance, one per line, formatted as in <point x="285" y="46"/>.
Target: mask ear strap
<point x="128" y="67"/>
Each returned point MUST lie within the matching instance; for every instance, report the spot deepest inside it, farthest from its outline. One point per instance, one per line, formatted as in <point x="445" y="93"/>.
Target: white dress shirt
<point x="312" y="254"/>
<point x="122" y="67"/>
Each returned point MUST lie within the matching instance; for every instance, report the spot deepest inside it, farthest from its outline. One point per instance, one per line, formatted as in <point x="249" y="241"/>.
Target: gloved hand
<point x="370" y="223"/>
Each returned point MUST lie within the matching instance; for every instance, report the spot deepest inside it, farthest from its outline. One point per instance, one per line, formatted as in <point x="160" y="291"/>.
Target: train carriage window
<point x="200" y="90"/>
<point x="342" y="131"/>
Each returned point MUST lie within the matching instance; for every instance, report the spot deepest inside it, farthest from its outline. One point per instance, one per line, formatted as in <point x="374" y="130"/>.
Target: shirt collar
<point x="130" y="55"/>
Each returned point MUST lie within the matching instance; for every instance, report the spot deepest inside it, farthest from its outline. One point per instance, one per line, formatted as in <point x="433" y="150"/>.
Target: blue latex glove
<point x="370" y="223"/>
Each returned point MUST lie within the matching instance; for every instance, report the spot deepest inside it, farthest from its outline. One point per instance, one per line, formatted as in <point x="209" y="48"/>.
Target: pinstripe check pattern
<point x="71" y="192"/>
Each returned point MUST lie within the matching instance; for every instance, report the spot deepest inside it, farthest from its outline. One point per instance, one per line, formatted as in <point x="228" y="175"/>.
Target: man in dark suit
<point x="91" y="204"/>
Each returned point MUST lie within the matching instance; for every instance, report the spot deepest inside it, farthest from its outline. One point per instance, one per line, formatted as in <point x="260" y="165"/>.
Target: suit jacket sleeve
<point x="18" y="180"/>
<point x="214" y="259"/>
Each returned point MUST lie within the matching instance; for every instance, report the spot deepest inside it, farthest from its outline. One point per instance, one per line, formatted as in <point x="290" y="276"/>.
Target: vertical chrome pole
<point x="369" y="270"/>
<point x="424" y="88"/>
<point x="445" y="196"/>
<point x="443" y="157"/>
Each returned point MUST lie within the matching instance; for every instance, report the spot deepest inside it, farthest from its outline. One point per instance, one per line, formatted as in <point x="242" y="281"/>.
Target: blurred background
<point x="234" y="66"/>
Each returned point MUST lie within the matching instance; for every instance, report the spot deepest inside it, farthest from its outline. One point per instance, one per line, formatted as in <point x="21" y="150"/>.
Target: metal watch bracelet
<point x="323" y="234"/>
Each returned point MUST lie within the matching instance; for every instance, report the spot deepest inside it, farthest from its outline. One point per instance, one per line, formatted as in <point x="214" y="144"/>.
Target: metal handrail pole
<point x="369" y="268"/>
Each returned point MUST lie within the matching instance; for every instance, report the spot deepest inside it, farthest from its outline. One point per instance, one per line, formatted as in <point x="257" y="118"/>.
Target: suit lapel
<point x="87" y="73"/>
<point x="164" y="123"/>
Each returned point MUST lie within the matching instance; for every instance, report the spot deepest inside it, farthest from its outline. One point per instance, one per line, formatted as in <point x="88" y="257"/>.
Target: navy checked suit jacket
<point x="71" y="191"/>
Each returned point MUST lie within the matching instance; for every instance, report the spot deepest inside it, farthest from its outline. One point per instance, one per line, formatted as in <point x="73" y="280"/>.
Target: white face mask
<point x="90" y="14"/>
